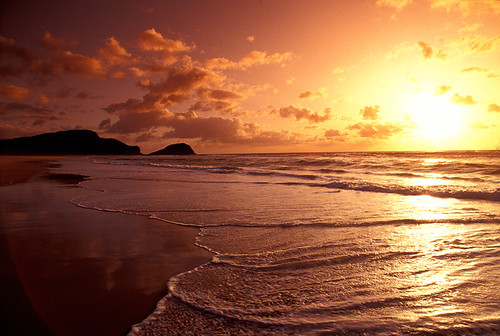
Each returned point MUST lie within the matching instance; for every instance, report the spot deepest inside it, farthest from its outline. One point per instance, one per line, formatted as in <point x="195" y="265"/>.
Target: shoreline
<point x="73" y="271"/>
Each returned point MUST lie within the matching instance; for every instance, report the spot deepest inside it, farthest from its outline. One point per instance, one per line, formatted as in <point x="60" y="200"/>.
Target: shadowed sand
<point x="71" y="271"/>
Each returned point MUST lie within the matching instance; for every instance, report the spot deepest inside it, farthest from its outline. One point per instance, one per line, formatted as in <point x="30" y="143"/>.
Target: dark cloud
<point x="20" y="58"/>
<point x="177" y="87"/>
<point x="224" y="131"/>
<point x="36" y="115"/>
<point x="83" y="95"/>
<point x="135" y="122"/>
<point x="300" y="113"/>
<point x="147" y="136"/>
<point x="189" y="126"/>
<point x="44" y="99"/>
<point x="9" y="108"/>
<point x="105" y="124"/>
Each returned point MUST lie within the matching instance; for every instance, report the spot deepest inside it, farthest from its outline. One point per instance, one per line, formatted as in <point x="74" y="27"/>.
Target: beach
<point x="66" y="270"/>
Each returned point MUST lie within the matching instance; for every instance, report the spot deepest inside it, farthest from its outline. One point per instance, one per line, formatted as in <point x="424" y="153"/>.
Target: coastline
<point x="74" y="271"/>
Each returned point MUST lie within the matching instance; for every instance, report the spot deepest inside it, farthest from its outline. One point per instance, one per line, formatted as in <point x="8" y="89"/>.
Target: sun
<point x="436" y="118"/>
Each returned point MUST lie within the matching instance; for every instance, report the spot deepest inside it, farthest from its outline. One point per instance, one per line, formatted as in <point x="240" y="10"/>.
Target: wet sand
<point x="66" y="270"/>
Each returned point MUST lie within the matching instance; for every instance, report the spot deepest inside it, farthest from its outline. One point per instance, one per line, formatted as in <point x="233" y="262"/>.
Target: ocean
<point x="378" y="243"/>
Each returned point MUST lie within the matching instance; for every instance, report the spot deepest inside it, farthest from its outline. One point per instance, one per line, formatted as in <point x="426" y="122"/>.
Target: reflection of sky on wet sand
<point x="88" y="268"/>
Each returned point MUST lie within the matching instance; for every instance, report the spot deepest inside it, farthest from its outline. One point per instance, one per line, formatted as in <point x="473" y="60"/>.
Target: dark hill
<point x="75" y="142"/>
<point x="175" y="149"/>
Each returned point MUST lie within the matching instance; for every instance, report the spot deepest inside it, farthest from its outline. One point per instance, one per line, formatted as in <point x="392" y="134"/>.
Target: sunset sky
<point x="255" y="76"/>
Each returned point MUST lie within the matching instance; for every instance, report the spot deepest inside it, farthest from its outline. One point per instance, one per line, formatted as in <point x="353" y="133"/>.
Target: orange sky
<point x="255" y="76"/>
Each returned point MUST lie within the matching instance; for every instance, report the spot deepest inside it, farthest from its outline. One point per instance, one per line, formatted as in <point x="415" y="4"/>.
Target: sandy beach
<point x="71" y="271"/>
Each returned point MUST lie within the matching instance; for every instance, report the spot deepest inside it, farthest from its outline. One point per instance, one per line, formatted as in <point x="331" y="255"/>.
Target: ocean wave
<point x="416" y="191"/>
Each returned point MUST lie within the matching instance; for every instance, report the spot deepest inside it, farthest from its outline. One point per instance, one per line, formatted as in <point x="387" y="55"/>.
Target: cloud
<point x="23" y="61"/>
<point x="398" y="4"/>
<point x="221" y="63"/>
<point x="152" y="40"/>
<point x="262" y="58"/>
<point x="135" y="122"/>
<point x="487" y="71"/>
<point x="377" y="130"/>
<point x="370" y="112"/>
<point x="137" y="72"/>
<point x="75" y="64"/>
<point x="113" y="53"/>
<point x="8" y="131"/>
<point x="474" y="69"/>
<point x="43" y="100"/>
<point x="341" y="70"/>
<point x="224" y="131"/>
<point x="493" y="108"/>
<point x="220" y="106"/>
<point x="217" y="94"/>
<point x="36" y="115"/>
<point x="23" y="108"/>
<point x="189" y="126"/>
<point x="462" y="100"/>
<point x="331" y="133"/>
<point x="441" y="90"/>
<point x="254" y="58"/>
<point x="251" y="38"/>
<point x="468" y="7"/>
<point x="51" y="42"/>
<point x="147" y="10"/>
<point x="47" y="98"/>
<point x="320" y="93"/>
<point x="180" y="83"/>
<point x="428" y="51"/>
<point x="465" y="7"/>
<point x="22" y="58"/>
<point x="147" y="136"/>
<point x="14" y="92"/>
<point x="208" y="129"/>
<point x="217" y="100"/>
<point x="470" y="28"/>
<point x="479" y="125"/>
<point x="475" y="43"/>
<point x="300" y="113"/>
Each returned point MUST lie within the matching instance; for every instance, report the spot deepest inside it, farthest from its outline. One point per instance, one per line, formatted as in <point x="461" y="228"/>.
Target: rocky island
<point x="175" y="149"/>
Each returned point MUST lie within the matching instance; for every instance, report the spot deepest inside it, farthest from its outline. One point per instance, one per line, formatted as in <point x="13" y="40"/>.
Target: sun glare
<point x="436" y="118"/>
